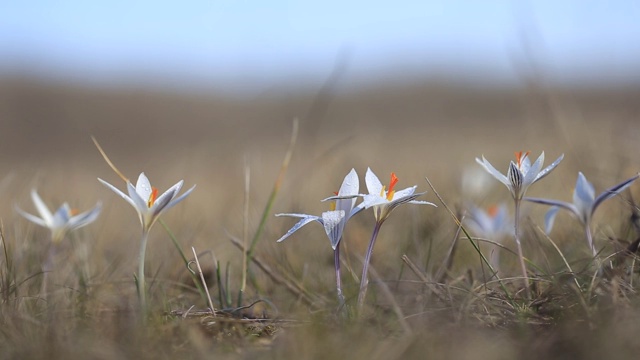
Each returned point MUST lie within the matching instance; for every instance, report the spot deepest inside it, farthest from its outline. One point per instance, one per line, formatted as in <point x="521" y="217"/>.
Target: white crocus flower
<point x="521" y="173"/>
<point x="585" y="203"/>
<point x="145" y="200"/>
<point x="383" y="200"/>
<point x="63" y="220"/>
<point x="493" y="224"/>
<point x="334" y="220"/>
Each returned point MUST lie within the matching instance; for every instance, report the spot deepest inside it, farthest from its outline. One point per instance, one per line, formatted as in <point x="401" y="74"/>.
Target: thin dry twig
<point x="204" y="283"/>
<point x="106" y="158"/>
<point x="413" y="267"/>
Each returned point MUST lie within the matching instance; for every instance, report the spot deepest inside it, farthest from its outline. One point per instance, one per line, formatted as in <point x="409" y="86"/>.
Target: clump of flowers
<point x="520" y="175"/>
<point x="334" y="221"/>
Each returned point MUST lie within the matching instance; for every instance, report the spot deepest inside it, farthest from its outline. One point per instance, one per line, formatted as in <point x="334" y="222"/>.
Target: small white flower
<point x="62" y="221"/>
<point x="384" y="200"/>
<point x="491" y="224"/>
<point x="521" y="173"/>
<point x="585" y="201"/>
<point x="334" y="220"/>
<point x="145" y="200"/>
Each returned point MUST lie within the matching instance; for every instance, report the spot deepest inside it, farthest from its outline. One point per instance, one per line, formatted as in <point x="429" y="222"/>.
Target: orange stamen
<point x="153" y="196"/>
<point x="392" y="184"/>
<point x="332" y="207"/>
<point x="74" y="212"/>
<point x="520" y="156"/>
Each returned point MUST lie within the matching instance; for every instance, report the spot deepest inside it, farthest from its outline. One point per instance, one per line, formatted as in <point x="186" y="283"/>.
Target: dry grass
<point x="90" y="311"/>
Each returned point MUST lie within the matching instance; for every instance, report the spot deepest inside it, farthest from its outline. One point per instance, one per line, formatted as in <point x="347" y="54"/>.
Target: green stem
<point x="523" y="267"/>
<point x="142" y="291"/>
<point x="364" y="280"/>
<point x="587" y="230"/>
<point x="336" y="258"/>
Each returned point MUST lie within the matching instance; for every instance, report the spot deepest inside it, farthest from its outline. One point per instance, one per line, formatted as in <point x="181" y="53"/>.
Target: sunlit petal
<point x="43" y="210"/>
<point x="305" y="220"/>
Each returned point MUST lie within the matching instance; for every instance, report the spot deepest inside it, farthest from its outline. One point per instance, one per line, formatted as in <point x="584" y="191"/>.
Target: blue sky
<point x="254" y="44"/>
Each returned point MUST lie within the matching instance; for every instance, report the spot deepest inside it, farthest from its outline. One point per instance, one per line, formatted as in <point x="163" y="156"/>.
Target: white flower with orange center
<point x="145" y="200"/>
<point x="521" y="173"/>
<point x="65" y="219"/>
<point x="492" y="224"/>
<point x="384" y="200"/>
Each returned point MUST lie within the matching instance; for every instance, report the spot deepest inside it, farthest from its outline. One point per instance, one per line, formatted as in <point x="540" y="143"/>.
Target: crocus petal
<point x="117" y="191"/>
<point x="403" y="200"/>
<point x="525" y="163"/>
<point x="356" y="209"/>
<point x="584" y="195"/>
<point x="85" y="218"/>
<point x="613" y="191"/>
<point x="161" y="203"/>
<point x="558" y="203"/>
<point x="374" y="186"/>
<point x="32" y="218"/>
<point x="333" y="226"/>
<point x="143" y="187"/>
<point x="531" y="172"/>
<point x="163" y="200"/>
<point x="369" y="200"/>
<point x="516" y="180"/>
<point x="43" y="210"/>
<point x="305" y="220"/>
<point x="550" y="218"/>
<point x="548" y="169"/>
<point x="350" y="186"/>
<point x="491" y="170"/>
<point x="420" y="202"/>
<point x="61" y="216"/>
<point x="405" y="192"/>
<point x="179" y="198"/>
<point x="141" y="204"/>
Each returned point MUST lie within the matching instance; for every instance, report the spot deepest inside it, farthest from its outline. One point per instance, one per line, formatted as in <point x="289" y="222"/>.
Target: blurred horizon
<point x="244" y="48"/>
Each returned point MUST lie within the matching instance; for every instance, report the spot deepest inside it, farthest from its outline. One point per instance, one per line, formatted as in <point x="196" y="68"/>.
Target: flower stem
<point x="142" y="291"/>
<point x="520" y="255"/>
<point x="47" y="268"/>
<point x="336" y="257"/>
<point x="364" y="280"/>
<point x="587" y="230"/>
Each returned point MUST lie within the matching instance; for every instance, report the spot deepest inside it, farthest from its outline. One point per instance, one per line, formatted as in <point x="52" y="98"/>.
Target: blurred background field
<point x="198" y="108"/>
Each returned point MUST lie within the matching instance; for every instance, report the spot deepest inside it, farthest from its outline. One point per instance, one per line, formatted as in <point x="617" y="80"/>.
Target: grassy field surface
<point x="424" y="300"/>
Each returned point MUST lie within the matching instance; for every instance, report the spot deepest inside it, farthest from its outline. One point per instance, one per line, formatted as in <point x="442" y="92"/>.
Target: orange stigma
<point x="332" y="207"/>
<point x="153" y="196"/>
<point x="74" y="212"/>
<point x="392" y="184"/>
<point x="520" y="156"/>
<point x="493" y="211"/>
